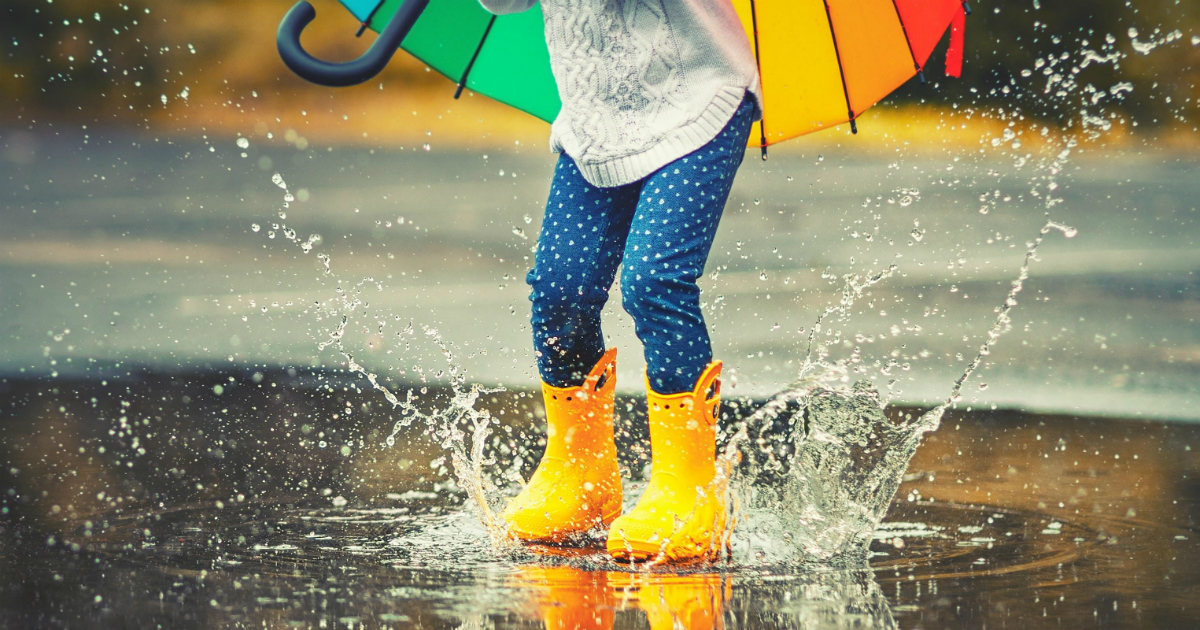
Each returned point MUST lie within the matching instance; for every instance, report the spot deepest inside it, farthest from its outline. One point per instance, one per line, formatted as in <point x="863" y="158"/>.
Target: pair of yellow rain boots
<point x="577" y="487"/>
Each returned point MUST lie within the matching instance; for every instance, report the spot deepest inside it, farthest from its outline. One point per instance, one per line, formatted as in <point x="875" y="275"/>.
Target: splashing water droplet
<point x="1066" y="230"/>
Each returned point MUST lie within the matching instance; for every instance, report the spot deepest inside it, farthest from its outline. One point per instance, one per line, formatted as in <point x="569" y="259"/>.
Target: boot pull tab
<point x="605" y="371"/>
<point x="708" y="389"/>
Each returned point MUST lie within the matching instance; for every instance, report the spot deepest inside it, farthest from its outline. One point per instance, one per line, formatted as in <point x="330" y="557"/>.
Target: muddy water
<point x="262" y="498"/>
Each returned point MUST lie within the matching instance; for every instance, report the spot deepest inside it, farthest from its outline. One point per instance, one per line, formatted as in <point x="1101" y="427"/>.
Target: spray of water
<point x="821" y="506"/>
<point x="848" y="458"/>
<point x="460" y="428"/>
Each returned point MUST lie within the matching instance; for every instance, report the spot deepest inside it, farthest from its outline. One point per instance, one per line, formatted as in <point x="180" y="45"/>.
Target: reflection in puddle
<point x="568" y="597"/>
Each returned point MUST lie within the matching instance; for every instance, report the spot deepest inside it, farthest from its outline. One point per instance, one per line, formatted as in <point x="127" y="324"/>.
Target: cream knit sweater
<point x="642" y="82"/>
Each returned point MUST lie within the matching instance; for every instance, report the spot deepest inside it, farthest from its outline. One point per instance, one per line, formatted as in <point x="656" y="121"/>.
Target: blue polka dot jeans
<point x="659" y="231"/>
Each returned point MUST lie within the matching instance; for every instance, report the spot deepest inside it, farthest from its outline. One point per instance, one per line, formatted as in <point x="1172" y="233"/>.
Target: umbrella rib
<point x="762" y="125"/>
<point x="913" y="55"/>
<point x="462" y="82"/>
<point x="841" y="71"/>
<point x="370" y="16"/>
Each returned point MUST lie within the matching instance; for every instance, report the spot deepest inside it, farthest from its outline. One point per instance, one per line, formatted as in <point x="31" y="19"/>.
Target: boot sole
<point x="561" y="537"/>
<point x="644" y="551"/>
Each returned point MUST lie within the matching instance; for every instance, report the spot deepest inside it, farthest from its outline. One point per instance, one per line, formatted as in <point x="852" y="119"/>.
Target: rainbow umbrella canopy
<point x="822" y="62"/>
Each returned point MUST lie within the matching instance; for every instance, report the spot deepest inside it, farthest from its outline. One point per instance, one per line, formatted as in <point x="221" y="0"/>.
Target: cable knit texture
<point x="642" y="82"/>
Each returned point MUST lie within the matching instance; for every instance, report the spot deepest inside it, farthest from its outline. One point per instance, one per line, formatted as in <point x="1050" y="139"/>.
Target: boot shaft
<point x="683" y="428"/>
<point x="579" y="419"/>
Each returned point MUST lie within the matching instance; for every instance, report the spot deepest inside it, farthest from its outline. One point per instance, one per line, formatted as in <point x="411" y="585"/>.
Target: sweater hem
<point x="681" y="141"/>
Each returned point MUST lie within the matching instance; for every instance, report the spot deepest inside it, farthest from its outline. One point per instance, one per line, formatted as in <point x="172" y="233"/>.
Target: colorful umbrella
<point x="822" y="62"/>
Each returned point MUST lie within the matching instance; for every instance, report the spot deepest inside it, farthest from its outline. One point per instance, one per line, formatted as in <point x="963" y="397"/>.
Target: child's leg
<point x="578" y="252"/>
<point x="673" y="228"/>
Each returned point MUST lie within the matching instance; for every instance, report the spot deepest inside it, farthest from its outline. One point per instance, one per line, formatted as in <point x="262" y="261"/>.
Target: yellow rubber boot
<point x="577" y="485"/>
<point x="680" y="515"/>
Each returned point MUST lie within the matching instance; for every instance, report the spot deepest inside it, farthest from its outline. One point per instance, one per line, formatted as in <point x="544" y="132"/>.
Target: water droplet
<point x="254" y="227"/>
<point x="243" y="143"/>
<point x="1066" y="230"/>
<point x="277" y="179"/>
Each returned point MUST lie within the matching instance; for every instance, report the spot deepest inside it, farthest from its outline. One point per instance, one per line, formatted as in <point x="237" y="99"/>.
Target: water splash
<point x="1003" y="322"/>
<point x="460" y="428"/>
<point x="847" y="456"/>
<point x="823" y="460"/>
<point x="853" y="287"/>
<point x="824" y="503"/>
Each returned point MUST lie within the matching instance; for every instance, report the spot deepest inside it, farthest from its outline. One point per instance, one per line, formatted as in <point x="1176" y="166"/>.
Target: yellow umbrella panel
<point x="824" y="62"/>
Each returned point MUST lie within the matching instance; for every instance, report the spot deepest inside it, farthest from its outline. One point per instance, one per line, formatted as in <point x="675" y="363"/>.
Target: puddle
<point x="237" y="517"/>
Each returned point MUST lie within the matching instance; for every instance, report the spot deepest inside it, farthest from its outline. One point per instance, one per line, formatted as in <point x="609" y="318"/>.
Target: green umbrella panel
<point x="501" y="56"/>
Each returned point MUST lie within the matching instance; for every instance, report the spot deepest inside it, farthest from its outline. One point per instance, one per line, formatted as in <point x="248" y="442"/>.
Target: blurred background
<point x="142" y="226"/>
<point x="110" y="64"/>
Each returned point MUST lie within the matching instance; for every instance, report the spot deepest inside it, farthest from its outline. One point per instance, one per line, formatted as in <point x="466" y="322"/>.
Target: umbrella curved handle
<point x="353" y="72"/>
